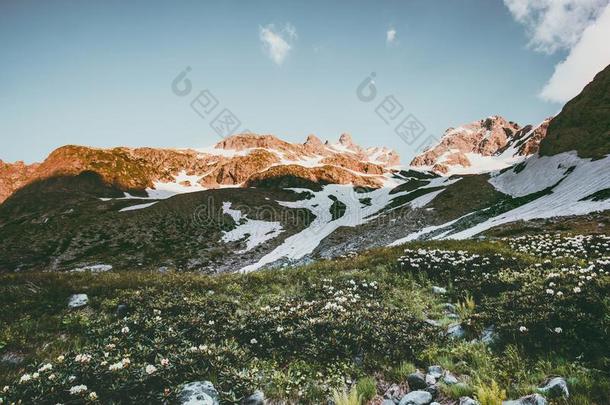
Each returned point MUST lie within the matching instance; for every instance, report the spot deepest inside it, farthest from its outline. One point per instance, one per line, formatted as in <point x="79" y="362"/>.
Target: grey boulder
<point x="199" y="393"/>
<point x="450" y="379"/>
<point x="468" y="401"/>
<point x="78" y="300"/>
<point x="439" y="290"/>
<point x="456" y="331"/>
<point x="535" y="399"/>
<point x="258" y="398"/>
<point x="555" y="388"/>
<point x="416" y="381"/>
<point x="416" y="398"/>
<point x="435" y="371"/>
<point x="489" y="335"/>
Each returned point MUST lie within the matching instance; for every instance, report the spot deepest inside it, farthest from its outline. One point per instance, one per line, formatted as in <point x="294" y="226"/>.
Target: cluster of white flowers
<point x="150" y="369"/>
<point x="349" y="255"/>
<point x="78" y="389"/>
<point x="452" y="264"/>
<point x="82" y="358"/>
<point x="558" y="246"/>
<point x="120" y="365"/>
<point x="200" y="349"/>
<point x="568" y="276"/>
<point x="45" y="367"/>
<point x="125" y="330"/>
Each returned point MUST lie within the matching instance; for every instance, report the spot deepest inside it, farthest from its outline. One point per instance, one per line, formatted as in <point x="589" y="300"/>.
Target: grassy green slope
<point x="584" y="122"/>
<point x="62" y="224"/>
<point x="298" y="333"/>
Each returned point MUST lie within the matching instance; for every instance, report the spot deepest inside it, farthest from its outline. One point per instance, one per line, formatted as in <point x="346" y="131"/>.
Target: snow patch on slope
<point x="587" y="178"/>
<point x="572" y="180"/>
<point x="138" y="207"/>
<point x="539" y="173"/>
<point x="305" y="242"/>
<point x="257" y="231"/>
<point x="183" y="183"/>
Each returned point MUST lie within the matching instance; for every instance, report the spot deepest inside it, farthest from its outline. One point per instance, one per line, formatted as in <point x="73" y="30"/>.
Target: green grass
<point x="367" y="388"/>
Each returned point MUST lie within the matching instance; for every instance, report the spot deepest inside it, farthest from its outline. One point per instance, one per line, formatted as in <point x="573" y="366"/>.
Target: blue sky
<point x="100" y="73"/>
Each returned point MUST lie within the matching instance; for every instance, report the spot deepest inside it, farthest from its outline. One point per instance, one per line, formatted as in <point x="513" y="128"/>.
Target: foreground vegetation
<point x="518" y="312"/>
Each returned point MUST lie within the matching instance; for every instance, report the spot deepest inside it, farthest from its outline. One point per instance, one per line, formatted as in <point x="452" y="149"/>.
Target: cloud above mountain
<point x="277" y="43"/>
<point x="580" y="27"/>
<point x="390" y="36"/>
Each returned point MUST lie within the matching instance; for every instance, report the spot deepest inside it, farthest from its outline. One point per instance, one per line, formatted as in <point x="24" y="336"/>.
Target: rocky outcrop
<point x="14" y="176"/>
<point x="199" y="393"/>
<point x="492" y="138"/>
<point x="279" y="177"/>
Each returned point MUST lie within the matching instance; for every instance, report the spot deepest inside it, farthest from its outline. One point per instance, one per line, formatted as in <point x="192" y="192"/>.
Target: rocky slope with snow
<point x="253" y="201"/>
<point x="489" y="144"/>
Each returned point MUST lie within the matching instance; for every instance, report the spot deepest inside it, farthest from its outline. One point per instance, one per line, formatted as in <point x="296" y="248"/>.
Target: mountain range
<point x="253" y="201"/>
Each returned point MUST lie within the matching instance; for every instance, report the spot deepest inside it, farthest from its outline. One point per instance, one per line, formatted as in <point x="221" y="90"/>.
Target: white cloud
<point x="589" y="56"/>
<point x="555" y="24"/>
<point x="277" y="43"/>
<point x="580" y="27"/>
<point x="390" y="36"/>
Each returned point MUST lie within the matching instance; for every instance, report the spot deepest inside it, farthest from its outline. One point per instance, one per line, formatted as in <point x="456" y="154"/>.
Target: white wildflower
<point x="78" y="389"/>
<point x="150" y="369"/>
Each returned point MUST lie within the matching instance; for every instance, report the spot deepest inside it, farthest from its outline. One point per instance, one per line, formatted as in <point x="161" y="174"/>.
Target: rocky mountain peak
<point x="313" y="140"/>
<point x="488" y="144"/>
<point x="249" y="141"/>
<point x="346" y="140"/>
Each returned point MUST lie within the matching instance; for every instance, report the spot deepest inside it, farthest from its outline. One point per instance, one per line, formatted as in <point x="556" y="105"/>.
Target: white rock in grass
<point x="435" y="371"/>
<point x="469" y="401"/>
<point x="556" y="387"/>
<point x="416" y="398"/>
<point x="456" y="331"/>
<point x="450" y="379"/>
<point x="95" y="268"/>
<point x="535" y="399"/>
<point x="258" y="398"/>
<point x="78" y="300"/>
<point x="199" y="393"/>
<point x="439" y="290"/>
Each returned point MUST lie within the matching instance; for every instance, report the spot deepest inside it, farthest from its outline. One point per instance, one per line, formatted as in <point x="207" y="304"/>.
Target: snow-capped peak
<point x="481" y="146"/>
